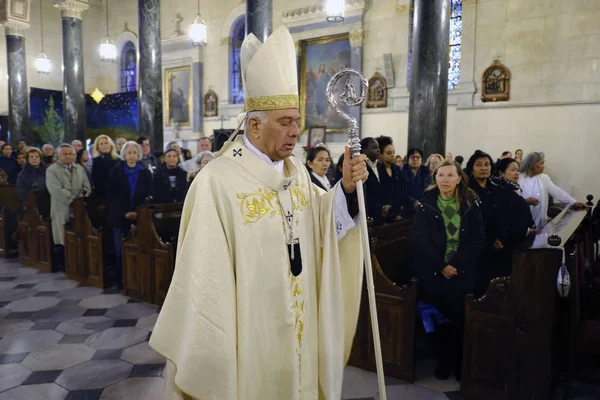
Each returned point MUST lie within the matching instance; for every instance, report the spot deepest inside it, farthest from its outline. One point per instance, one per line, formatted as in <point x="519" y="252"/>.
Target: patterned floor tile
<point x="29" y="341"/>
<point x="147" y="370"/>
<point x="12" y="358"/>
<point x="125" y="323"/>
<point x="55" y="285"/>
<point x="74" y="339"/>
<point x="95" y="312"/>
<point x="39" y="377"/>
<point x="116" y="338"/>
<point x="141" y="353"/>
<point x="454" y="395"/>
<point x="108" y="354"/>
<point x="58" y="313"/>
<point x="147" y="322"/>
<point x="131" y="311"/>
<point x="360" y="383"/>
<point x="4" y="303"/>
<point x="47" y="391"/>
<point x="83" y="325"/>
<point x="41" y="294"/>
<point x="79" y="293"/>
<point x="25" y="286"/>
<point x="95" y="374"/>
<point x="10" y="327"/>
<point x="40" y="326"/>
<point x="12" y="375"/>
<point x="84" y="395"/>
<point x="103" y="301"/>
<point x="15" y="294"/>
<point x="135" y="389"/>
<point x="32" y="304"/>
<point x="449" y="385"/>
<point x="20" y="315"/>
<point x="412" y="392"/>
<point x="58" y="357"/>
<point x="7" y="278"/>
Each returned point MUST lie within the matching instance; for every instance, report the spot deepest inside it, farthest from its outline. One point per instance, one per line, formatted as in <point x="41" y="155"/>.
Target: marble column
<point x="18" y="91"/>
<point x="259" y="18"/>
<point x="150" y="107"/>
<point x="429" y="76"/>
<point x="73" y="82"/>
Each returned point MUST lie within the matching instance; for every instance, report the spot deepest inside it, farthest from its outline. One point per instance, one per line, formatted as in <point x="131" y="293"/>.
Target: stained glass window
<point x="455" y="43"/>
<point x="128" y="67"/>
<point x="237" y="37"/>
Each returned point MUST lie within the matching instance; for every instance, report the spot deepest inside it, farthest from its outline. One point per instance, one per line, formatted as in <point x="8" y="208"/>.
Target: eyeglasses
<point x="415" y="157"/>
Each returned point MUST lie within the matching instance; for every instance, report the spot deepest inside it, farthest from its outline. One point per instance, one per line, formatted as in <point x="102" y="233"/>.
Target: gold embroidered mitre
<point x="269" y="72"/>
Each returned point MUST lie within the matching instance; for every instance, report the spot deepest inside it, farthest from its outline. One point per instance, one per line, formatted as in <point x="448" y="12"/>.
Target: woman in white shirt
<point x="318" y="161"/>
<point x="537" y="189"/>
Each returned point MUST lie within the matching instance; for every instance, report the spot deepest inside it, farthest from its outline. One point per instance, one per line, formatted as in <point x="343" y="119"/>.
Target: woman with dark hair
<point x="9" y="164"/>
<point x="518" y="156"/>
<point x="318" y="161"/>
<point x="370" y="148"/>
<point x="170" y="181"/>
<point x="479" y="170"/>
<point x="446" y="246"/>
<point x="129" y="185"/>
<point x="83" y="158"/>
<point x="389" y="180"/>
<point x="32" y="177"/>
<point x="416" y="178"/>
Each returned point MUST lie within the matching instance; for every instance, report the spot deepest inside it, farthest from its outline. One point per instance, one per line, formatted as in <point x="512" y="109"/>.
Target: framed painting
<point x="178" y="96"/>
<point x="320" y="59"/>
<point x="495" y="83"/>
<point x="316" y="135"/>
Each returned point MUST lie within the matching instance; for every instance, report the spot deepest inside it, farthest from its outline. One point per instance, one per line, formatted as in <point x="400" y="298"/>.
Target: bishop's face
<point x="277" y="135"/>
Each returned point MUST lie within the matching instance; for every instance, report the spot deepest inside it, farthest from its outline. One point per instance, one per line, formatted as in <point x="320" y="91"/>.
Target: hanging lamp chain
<point x="42" y="25"/>
<point x="106" y="18"/>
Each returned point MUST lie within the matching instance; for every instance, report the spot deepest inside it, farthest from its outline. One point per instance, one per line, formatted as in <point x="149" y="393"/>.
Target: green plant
<point x="52" y="131"/>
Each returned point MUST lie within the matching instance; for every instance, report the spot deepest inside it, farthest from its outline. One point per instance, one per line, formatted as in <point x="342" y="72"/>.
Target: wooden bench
<point x="84" y="250"/>
<point x="520" y="336"/>
<point x="35" y="232"/>
<point x="149" y="252"/>
<point x="10" y="207"/>
<point x="396" y="295"/>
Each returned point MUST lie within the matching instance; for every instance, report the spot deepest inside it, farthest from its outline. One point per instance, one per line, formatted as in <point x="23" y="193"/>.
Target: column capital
<point x="403" y="6"/>
<point x="357" y="38"/>
<point x="15" y="28"/>
<point x="71" y="8"/>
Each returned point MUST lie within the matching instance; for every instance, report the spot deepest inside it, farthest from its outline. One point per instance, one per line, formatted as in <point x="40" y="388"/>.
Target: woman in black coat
<point x="105" y="157"/>
<point x="33" y="175"/>
<point x="447" y="242"/>
<point x="9" y="164"/>
<point x="170" y="181"/>
<point x="390" y="181"/>
<point x="129" y="186"/>
<point x="370" y="148"/>
<point x="415" y="178"/>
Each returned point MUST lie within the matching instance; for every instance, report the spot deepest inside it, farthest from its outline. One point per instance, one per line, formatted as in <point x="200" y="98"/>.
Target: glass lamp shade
<point x="43" y="64"/>
<point x="97" y="95"/>
<point x="335" y="10"/>
<point x="108" y="51"/>
<point x="197" y="32"/>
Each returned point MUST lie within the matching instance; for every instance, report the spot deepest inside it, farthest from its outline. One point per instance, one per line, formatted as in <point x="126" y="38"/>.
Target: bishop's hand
<point x="354" y="170"/>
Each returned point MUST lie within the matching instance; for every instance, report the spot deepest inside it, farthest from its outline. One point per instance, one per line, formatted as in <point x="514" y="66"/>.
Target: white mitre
<point x="269" y="72"/>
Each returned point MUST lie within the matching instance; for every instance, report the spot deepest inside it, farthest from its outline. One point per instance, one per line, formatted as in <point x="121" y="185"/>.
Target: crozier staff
<point x="243" y="318"/>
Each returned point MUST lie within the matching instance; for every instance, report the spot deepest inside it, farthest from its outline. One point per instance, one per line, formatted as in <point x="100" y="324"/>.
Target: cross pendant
<point x="291" y="243"/>
<point x="289" y="217"/>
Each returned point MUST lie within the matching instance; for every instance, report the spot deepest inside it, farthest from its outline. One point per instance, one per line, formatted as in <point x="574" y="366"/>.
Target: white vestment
<point x="236" y="323"/>
<point x="541" y="187"/>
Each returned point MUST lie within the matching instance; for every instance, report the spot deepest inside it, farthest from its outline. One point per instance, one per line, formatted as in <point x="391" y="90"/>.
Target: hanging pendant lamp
<point x="43" y="65"/>
<point x="108" y="50"/>
<point x="197" y="31"/>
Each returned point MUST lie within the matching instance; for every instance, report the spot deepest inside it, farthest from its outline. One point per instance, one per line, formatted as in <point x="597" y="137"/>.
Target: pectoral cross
<point x="292" y="243"/>
<point x="289" y="217"/>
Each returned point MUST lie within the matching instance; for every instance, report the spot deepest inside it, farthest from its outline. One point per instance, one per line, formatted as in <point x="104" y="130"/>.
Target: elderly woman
<point x="129" y="185"/>
<point x="433" y="161"/>
<point x="447" y="243"/>
<point x="170" y="181"/>
<point x="104" y="153"/>
<point x="33" y="176"/>
<point x="48" y="151"/>
<point x="202" y="160"/>
<point x="537" y="189"/>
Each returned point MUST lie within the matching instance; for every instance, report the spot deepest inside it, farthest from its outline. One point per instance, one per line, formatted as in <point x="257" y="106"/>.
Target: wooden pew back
<point x="396" y="298"/>
<point x="148" y="260"/>
<point x="35" y="232"/>
<point x="10" y="207"/>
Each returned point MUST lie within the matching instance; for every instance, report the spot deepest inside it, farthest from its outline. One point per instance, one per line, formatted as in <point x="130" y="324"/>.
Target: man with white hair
<point x="264" y="299"/>
<point x="65" y="180"/>
<point x="77" y="145"/>
<point x="48" y="151"/>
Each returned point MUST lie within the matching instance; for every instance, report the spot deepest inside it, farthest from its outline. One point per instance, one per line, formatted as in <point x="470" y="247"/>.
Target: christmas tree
<point x="52" y="131"/>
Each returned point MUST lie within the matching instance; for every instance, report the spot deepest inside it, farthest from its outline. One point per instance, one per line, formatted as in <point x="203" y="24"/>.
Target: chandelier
<point x="197" y="31"/>
<point x="108" y="50"/>
<point x="335" y="10"/>
<point x="42" y="62"/>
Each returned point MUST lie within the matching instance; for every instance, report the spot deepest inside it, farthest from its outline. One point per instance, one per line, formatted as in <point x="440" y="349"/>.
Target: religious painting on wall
<point x="316" y="135"/>
<point x="495" y="83"/>
<point x="321" y="59"/>
<point x="178" y="93"/>
<point x="377" y="97"/>
<point x="211" y="104"/>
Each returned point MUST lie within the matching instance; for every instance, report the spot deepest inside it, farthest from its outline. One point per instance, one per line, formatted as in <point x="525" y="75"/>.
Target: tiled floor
<point x="59" y="340"/>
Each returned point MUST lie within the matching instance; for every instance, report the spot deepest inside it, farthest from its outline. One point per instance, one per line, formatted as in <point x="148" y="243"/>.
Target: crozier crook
<point x="351" y="98"/>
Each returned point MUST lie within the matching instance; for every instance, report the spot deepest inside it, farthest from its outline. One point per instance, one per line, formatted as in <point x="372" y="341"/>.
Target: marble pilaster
<point x="429" y="76"/>
<point x="198" y="100"/>
<point x="18" y="99"/>
<point x="259" y="18"/>
<point x="150" y="107"/>
<point x="73" y="86"/>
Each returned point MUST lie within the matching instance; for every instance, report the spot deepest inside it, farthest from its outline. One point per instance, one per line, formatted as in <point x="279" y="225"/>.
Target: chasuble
<point x="237" y="324"/>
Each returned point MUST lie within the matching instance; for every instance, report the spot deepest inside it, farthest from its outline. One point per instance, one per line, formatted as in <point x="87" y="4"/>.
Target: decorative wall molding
<point x="316" y="13"/>
<point x="72" y="8"/>
<point x="357" y="38"/>
<point x="15" y="28"/>
<point x="15" y="10"/>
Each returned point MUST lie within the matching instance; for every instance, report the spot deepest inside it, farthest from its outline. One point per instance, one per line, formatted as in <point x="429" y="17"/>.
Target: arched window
<point x="128" y="67"/>
<point x="455" y="43"/>
<point x="238" y="33"/>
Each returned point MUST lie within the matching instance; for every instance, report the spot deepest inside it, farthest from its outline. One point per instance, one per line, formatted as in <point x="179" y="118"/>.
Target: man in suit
<point x="65" y="181"/>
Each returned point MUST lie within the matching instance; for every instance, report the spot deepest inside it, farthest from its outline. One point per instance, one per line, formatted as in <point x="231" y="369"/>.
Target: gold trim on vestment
<point x="266" y="103"/>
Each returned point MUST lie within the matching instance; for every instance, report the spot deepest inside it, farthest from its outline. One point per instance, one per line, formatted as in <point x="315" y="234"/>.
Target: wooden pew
<point x="396" y="296"/>
<point x="10" y="207"/>
<point x="149" y="252"/>
<point x="35" y="232"/>
<point x="520" y="334"/>
<point x="83" y="246"/>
